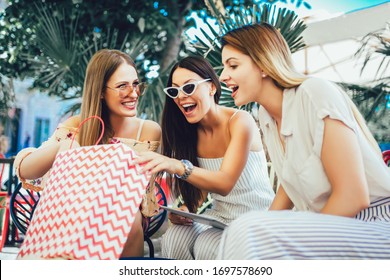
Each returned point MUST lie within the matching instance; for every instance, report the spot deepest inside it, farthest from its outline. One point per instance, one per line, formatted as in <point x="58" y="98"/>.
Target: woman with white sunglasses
<point x="207" y="148"/>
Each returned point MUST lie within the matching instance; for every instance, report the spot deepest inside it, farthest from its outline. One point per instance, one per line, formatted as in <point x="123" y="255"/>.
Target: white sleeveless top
<point x="252" y="191"/>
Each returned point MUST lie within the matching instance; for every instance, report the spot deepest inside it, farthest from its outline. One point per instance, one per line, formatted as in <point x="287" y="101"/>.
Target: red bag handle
<point x="87" y="119"/>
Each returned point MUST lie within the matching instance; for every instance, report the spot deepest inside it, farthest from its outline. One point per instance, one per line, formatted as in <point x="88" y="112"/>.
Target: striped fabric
<point x="185" y="242"/>
<point x="308" y="235"/>
<point x="251" y="192"/>
<point x="377" y="211"/>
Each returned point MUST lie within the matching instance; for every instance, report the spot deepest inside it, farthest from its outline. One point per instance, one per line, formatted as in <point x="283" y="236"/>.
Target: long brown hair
<point x="99" y="70"/>
<point x="270" y="52"/>
<point x="179" y="137"/>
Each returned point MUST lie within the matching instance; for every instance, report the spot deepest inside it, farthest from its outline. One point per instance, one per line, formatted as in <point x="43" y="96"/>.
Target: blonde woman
<point x="111" y="91"/>
<point x="329" y="165"/>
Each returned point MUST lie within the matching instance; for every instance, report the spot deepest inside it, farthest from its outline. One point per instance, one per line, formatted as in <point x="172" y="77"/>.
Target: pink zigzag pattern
<point x="115" y="168"/>
<point x="86" y="167"/>
<point x="56" y="225"/>
<point x="100" y="206"/>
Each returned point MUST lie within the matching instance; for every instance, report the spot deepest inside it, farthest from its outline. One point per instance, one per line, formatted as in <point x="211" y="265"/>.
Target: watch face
<point x="188" y="166"/>
<point x="187" y="163"/>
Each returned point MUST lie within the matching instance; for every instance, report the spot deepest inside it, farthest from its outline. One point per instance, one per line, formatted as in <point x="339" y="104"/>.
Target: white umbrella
<point x="332" y="43"/>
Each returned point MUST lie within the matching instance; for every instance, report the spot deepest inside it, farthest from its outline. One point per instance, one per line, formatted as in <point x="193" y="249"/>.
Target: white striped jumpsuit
<point x="251" y="192"/>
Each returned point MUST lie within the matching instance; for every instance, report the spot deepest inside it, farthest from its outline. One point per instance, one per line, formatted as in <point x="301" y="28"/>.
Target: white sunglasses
<point x="188" y="89"/>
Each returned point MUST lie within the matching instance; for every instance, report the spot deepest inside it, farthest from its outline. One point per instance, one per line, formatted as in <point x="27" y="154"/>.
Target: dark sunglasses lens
<point x="189" y="88"/>
<point x="173" y="92"/>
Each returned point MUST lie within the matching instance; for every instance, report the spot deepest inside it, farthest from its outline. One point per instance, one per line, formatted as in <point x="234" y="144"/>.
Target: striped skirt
<point x="306" y="235"/>
<point x="199" y="241"/>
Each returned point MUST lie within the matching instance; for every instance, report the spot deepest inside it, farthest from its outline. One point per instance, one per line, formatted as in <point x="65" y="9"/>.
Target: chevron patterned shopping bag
<point x="88" y="205"/>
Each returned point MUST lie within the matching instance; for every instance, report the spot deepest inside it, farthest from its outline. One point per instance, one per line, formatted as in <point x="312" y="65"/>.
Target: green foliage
<point x="60" y="66"/>
<point x="373" y="98"/>
<point x="7" y="96"/>
<point x="377" y="44"/>
<point x="52" y="41"/>
<point x="95" y="18"/>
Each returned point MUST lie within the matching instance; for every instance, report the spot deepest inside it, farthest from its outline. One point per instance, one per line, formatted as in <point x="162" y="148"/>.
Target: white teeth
<point x="233" y="88"/>
<point x="128" y="103"/>
<point x="187" y="105"/>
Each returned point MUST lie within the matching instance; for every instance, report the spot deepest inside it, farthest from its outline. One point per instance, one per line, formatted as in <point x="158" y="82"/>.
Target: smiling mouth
<point x="129" y="104"/>
<point x="234" y="90"/>
<point x="189" y="107"/>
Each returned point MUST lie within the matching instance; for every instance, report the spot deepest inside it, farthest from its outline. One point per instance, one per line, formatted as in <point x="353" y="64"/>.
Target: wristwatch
<point x="188" y="167"/>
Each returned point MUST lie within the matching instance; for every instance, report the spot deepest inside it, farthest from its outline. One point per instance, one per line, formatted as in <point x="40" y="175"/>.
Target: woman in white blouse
<point x="329" y="165"/>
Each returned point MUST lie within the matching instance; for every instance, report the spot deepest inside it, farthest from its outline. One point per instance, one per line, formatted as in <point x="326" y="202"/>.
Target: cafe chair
<point x="4" y="208"/>
<point x="156" y="221"/>
<point x="22" y="206"/>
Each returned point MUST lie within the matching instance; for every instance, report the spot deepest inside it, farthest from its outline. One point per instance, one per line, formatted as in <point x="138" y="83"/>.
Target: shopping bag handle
<point x="87" y="119"/>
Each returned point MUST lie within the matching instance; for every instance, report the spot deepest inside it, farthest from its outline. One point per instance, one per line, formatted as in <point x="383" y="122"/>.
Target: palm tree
<point x="283" y="19"/>
<point x="60" y="69"/>
<point x="373" y="98"/>
<point x="61" y="66"/>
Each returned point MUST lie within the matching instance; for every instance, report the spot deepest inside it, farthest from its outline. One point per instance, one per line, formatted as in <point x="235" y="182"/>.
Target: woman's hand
<point x="155" y="162"/>
<point x="180" y="220"/>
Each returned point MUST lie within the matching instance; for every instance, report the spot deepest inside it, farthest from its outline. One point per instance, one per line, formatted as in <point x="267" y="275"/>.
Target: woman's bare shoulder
<point x="241" y="117"/>
<point x="73" y="121"/>
<point x="151" y="131"/>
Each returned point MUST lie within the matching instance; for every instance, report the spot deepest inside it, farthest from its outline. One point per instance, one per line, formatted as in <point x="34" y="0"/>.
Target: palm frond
<point x="64" y="56"/>
<point x="372" y="100"/>
<point x="376" y="44"/>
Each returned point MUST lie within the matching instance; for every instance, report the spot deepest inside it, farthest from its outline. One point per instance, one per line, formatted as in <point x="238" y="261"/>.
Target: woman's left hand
<point x="155" y="162"/>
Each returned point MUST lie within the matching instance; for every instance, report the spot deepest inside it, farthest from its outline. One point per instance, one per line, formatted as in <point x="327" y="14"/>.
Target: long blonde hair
<point x="99" y="70"/>
<point x="267" y="48"/>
